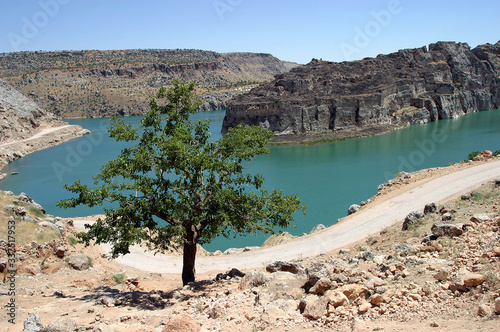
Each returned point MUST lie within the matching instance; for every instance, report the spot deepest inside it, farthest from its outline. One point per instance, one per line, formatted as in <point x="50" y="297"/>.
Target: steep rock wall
<point x="443" y="81"/>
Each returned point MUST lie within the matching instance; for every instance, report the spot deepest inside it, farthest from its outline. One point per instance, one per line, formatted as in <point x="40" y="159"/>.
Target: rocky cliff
<point x="445" y="80"/>
<point x="104" y="83"/>
<point x="21" y="119"/>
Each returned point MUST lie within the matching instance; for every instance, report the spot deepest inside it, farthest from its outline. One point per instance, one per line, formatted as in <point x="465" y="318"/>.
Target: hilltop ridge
<point x="118" y="82"/>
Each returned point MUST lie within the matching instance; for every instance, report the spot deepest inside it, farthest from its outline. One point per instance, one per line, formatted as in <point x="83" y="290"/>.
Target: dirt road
<point x="371" y="219"/>
<point x="44" y="132"/>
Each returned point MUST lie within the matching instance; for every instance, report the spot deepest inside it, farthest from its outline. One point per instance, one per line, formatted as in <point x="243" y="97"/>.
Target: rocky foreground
<point x="437" y="269"/>
<point x="373" y="95"/>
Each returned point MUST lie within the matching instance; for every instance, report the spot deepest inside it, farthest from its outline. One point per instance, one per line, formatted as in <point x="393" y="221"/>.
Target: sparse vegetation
<point x="119" y="278"/>
<point x="472" y="155"/>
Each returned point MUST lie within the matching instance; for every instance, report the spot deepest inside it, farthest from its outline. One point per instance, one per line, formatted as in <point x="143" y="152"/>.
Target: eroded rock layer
<point x="443" y="81"/>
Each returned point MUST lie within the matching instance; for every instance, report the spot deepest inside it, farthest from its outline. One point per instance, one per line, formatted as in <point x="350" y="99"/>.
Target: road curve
<point x="371" y="219"/>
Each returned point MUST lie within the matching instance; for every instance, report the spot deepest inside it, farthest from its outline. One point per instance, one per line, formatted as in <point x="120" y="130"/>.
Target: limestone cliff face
<point x="445" y="80"/>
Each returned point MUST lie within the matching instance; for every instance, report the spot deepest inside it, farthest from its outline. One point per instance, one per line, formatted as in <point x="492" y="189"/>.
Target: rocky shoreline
<point x="27" y="128"/>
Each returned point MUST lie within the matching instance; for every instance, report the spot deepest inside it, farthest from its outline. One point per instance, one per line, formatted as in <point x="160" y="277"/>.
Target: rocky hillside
<point x="20" y="119"/>
<point x="411" y="86"/>
<point x="104" y="83"/>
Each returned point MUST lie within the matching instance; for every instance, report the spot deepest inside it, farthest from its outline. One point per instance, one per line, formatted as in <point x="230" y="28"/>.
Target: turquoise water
<point x="327" y="177"/>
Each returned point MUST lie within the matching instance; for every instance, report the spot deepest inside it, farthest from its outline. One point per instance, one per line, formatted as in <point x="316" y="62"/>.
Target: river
<point x="327" y="177"/>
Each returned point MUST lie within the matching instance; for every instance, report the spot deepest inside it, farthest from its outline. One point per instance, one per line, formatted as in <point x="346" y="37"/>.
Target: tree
<point x="175" y="188"/>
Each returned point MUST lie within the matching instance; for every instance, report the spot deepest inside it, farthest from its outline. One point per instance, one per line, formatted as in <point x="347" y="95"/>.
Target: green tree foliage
<point x="174" y="173"/>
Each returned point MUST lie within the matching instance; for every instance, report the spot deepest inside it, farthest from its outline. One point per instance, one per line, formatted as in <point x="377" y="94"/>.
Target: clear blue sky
<point x="295" y="30"/>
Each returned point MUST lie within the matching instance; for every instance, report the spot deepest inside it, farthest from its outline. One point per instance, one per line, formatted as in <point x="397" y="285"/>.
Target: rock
<point x="103" y="328"/>
<point x="430" y="208"/>
<point x="364" y="307"/>
<point x="232" y="251"/>
<point x="441" y="228"/>
<point x="353" y="209"/>
<point x="321" y="286"/>
<point x="497" y="306"/>
<point x="107" y="301"/>
<point x="317" y="228"/>
<point x="313" y="306"/>
<point x="446" y="216"/>
<point x="473" y="280"/>
<point x="442" y="275"/>
<point x="33" y="324"/>
<point x="375" y="282"/>
<point x="60" y="252"/>
<point x="277" y="238"/>
<point x="344" y="251"/>
<point x="9" y="208"/>
<point x="78" y="261"/>
<point x="484" y="310"/>
<point x="376" y="299"/>
<point x="336" y="298"/>
<point x="181" y="323"/>
<point x="253" y="279"/>
<point x="354" y="291"/>
<point x="412" y="219"/>
<point x="233" y="273"/>
<point x="283" y="266"/>
<point x="32" y="269"/>
<point x="3" y="264"/>
<point x="380" y="187"/>
<point x="62" y="325"/>
<point x="49" y="225"/>
<point x="465" y="197"/>
<point x="482" y="217"/>
<point x="497" y="183"/>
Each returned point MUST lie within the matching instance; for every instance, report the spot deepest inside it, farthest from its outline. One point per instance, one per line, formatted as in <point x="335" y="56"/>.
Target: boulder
<point x="60" y="252"/>
<point x="354" y="291"/>
<point x="430" y="208"/>
<point x="62" y="324"/>
<point x="254" y="279"/>
<point x="3" y="264"/>
<point x="283" y="266"/>
<point x="497" y="306"/>
<point x="353" y="209"/>
<point x="336" y="298"/>
<point x="313" y="306"/>
<point x="33" y="324"/>
<point x="412" y="219"/>
<point x="484" y="310"/>
<point x="473" y="280"/>
<point x="321" y="286"/>
<point x="482" y="217"/>
<point x="441" y="228"/>
<point x="317" y="228"/>
<point x="78" y="261"/>
<point x="446" y="216"/>
<point x="181" y="323"/>
<point x="364" y="307"/>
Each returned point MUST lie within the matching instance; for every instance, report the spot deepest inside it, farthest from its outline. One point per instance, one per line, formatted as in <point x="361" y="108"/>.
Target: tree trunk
<point x="188" y="268"/>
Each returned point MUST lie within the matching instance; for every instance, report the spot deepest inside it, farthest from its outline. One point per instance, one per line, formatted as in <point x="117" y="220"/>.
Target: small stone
<point x="442" y="275"/>
<point x="484" y="310"/>
<point x="430" y="208"/>
<point x="364" y="307"/>
<point x="446" y="216"/>
<point x="473" y="280"/>
<point x="33" y="324"/>
<point x="353" y="209"/>
<point x="181" y="323"/>
<point x="321" y="286"/>
<point x="497" y="306"/>
<point x="465" y="197"/>
<point x="283" y="266"/>
<point x="317" y="228"/>
<point x="434" y="324"/>
<point x="481" y="217"/>
<point x="336" y="298"/>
